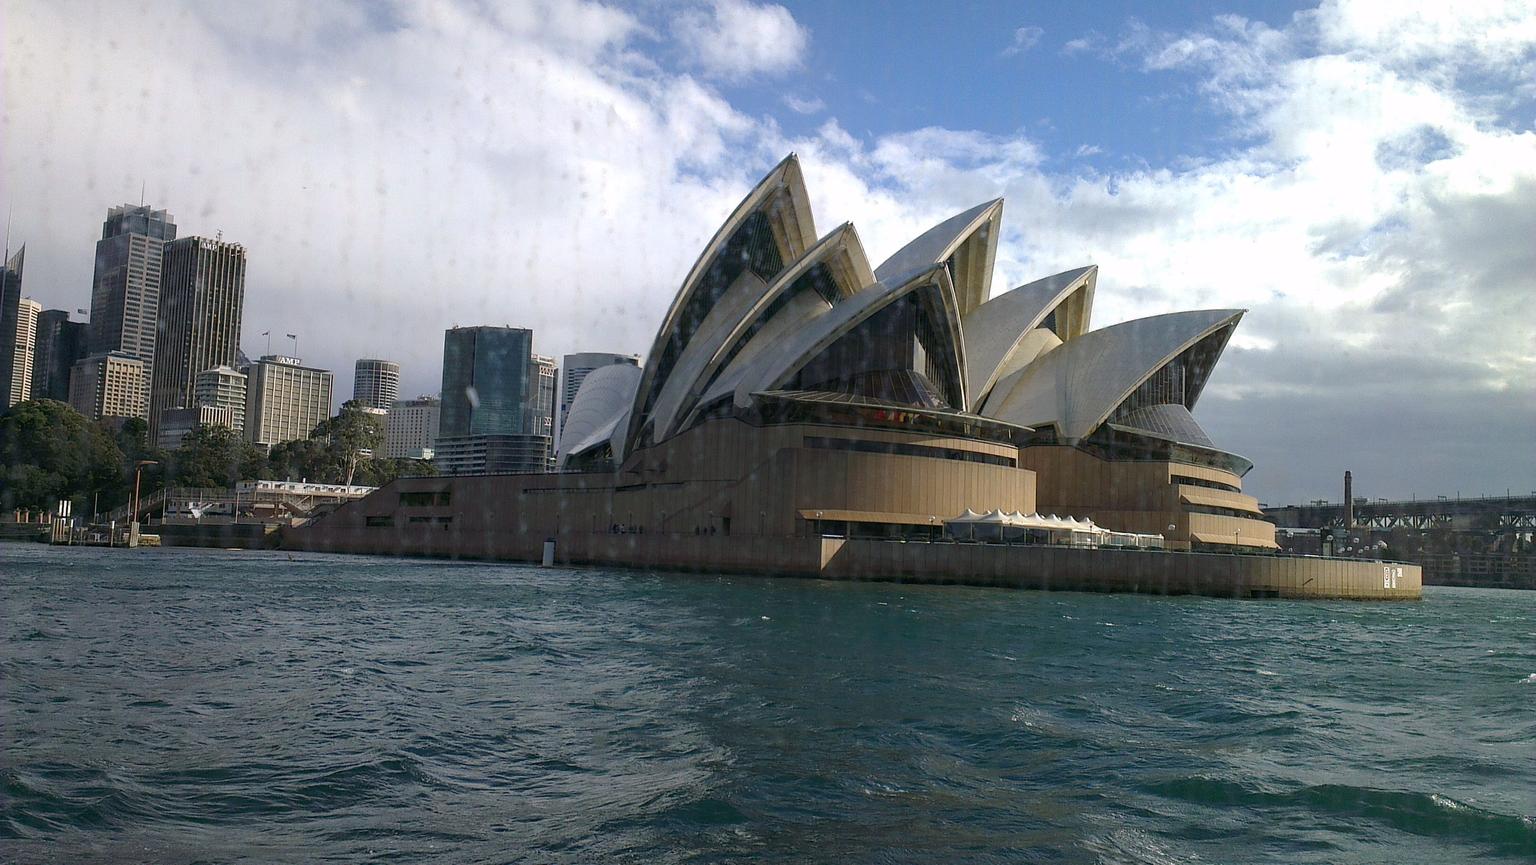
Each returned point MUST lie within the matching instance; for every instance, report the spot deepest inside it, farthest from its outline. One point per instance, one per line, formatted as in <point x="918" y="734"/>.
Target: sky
<point x="1359" y="176"/>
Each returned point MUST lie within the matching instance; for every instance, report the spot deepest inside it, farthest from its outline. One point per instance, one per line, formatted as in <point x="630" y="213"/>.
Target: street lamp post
<point x="138" y="471"/>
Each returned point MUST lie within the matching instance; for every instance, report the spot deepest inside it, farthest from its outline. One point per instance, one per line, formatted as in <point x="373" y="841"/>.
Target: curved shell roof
<point x="996" y="331"/>
<point x="606" y="393"/>
<point x="768" y="308"/>
<point x="966" y="241"/>
<point x="772" y="371"/>
<point x="1079" y="384"/>
<point x="779" y="205"/>
<point x="834" y="269"/>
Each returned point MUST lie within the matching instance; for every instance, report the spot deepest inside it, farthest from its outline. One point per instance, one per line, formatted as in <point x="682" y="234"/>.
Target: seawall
<point x="1025" y="567"/>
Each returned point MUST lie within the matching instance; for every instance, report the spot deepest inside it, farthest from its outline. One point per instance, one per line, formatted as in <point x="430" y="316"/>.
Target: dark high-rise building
<point x="10" y="305"/>
<point x="485" y="380"/>
<point x="497" y="403"/>
<point x="60" y="343"/>
<point x="125" y="294"/>
<point x="202" y="295"/>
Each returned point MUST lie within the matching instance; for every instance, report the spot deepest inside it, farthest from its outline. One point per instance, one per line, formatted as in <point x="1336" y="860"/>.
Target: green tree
<point x="378" y="472"/>
<point x="132" y="439"/>
<point x="347" y="435"/>
<point x="213" y="456"/>
<point x="301" y="459"/>
<point x="49" y="451"/>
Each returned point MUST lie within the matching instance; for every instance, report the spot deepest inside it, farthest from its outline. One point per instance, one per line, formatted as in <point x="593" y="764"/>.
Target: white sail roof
<point x="967" y="242"/>
<point x="1004" y="334"/>
<point x="1077" y="385"/>
<point x="777" y="206"/>
<point x="605" y="396"/>
<point x="833" y="269"/>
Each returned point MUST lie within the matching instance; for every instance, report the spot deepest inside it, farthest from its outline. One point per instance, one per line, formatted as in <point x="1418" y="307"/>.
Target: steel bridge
<point x="1513" y="514"/>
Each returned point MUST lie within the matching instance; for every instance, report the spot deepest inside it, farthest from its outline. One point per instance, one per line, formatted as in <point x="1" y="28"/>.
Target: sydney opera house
<point x="804" y="412"/>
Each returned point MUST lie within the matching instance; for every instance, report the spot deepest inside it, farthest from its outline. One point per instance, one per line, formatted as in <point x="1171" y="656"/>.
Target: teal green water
<point x="184" y="706"/>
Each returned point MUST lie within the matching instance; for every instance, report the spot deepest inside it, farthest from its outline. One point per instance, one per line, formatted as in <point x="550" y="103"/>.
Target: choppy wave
<point x="179" y="706"/>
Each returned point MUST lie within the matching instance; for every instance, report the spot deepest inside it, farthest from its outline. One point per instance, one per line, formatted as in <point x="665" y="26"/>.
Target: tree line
<point x="49" y="451"/>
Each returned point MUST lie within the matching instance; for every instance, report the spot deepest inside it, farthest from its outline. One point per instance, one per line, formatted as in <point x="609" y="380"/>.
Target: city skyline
<point x="1376" y="232"/>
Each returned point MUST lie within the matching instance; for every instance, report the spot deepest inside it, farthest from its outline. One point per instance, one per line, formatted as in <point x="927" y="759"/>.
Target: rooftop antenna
<point x="142" y="184"/>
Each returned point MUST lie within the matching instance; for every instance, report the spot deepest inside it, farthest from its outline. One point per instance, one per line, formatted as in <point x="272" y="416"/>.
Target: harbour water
<point x="207" y="706"/>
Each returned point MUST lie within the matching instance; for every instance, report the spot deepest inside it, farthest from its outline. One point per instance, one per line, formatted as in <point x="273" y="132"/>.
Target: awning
<point x="1229" y="540"/>
<point x="1217" y="499"/>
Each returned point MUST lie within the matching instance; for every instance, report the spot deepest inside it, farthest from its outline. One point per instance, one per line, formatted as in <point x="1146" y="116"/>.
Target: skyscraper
<point x="375" y="383"/>
<point x="485" y="380"/>
<point x="222" y="387"/>
<point x="24" y="350"/>
<point x="125" y="294"/>
<point x="110" y="385"/>
<point x="574" y="372"/>
<point x="10" y="303"/>
<point x="410" y="431"/>
<point x="202" y="295"/>
<point x="60" y="343"/>
<point x="285" y="400"/>
<point x="491" y="422"/>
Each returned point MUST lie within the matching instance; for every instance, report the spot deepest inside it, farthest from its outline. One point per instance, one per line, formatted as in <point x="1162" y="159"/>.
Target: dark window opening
<point x="1202" y="482"/>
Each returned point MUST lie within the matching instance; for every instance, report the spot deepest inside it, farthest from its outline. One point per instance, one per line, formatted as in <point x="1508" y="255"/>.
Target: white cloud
<point x="738" y="38"/>
<point x="1024" y="38"/>
<point x="1092" y="41"/>
<point x="447" y="168"/>
<point x="804" y="106"/>
<point x="538" y="165"/>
